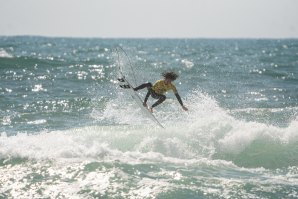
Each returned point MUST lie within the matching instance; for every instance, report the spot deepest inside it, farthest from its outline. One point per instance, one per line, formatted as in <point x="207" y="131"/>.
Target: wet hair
<point x="170" y="75"/>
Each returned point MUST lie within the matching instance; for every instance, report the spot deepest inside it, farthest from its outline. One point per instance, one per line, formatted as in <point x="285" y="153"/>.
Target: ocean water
<point x="68" y="131"/>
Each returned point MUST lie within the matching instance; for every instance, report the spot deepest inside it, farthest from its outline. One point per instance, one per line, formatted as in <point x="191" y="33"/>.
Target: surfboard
<point x="124" y="83"/>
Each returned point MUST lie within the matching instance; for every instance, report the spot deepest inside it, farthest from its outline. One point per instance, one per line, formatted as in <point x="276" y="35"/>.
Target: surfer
<point x="159" y="88"/>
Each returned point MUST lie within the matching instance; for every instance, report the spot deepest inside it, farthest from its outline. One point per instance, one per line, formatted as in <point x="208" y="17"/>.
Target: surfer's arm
<point x="180" y="101"/>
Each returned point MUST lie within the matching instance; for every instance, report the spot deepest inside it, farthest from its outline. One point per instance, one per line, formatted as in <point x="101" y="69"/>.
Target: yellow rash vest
<point x="160" y="87"/>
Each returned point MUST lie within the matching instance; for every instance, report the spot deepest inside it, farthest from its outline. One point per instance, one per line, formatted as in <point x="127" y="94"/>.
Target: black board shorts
<point x="154" y="94"/>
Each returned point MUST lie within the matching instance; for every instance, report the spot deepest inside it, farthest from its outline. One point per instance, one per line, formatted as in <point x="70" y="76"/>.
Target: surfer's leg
<point x="146" y="98"/>
<point x="161" y="99"/>
<point x="146" y="85"/>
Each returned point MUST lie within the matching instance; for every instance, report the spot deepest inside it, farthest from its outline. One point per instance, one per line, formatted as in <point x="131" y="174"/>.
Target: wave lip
<point x="214" y="133"/>
<point x="208" y="131"/>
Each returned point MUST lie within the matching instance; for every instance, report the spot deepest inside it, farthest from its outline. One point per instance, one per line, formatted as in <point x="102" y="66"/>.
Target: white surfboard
<point x="128" y="87"/>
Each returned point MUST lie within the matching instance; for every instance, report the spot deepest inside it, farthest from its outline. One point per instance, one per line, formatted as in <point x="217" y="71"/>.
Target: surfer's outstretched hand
<point x="145" y="104"/>
<point x="184" y="108"/>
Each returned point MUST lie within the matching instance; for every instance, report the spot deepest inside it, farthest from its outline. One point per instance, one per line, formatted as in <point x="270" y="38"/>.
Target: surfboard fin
<point x="121" y="80"/>
<point x="125" y="86"/>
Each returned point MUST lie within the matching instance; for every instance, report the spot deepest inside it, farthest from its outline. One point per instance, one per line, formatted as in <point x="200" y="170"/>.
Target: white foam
<point x="70" y="152"/>
<point x="5" y="54"/>
<point x="192" y="137"/>
<point x="122" y="110"/>
<point x="203" y="131"/>
<point x="213" y="124"/>
<point x="42" y="121"/>
<point x="38" y="87"/>
<point x="93" y="143"/>
<point x="188" y="64"/>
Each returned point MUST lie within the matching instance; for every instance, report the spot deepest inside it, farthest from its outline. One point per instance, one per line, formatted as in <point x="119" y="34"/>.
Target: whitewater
<point x="69" y="131"/>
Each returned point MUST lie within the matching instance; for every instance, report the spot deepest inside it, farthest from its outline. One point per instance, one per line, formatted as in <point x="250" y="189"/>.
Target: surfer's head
<point x="170" y="75"/>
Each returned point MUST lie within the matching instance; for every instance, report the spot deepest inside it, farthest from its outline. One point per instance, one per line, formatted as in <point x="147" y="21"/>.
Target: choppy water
<point x="68" y="131"/>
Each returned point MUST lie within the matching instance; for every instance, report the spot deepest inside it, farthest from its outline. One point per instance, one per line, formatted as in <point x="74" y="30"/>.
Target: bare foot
<point x="151" y="109"/>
